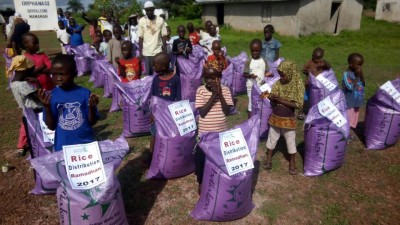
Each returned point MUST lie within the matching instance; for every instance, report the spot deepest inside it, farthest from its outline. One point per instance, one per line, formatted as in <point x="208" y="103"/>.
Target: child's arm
<point x="93" y="101"/>
<point x="45" y="100"/>
<point x="276" y="54"/>
<point x="188" y="47"/>
<point x="359" y="74"/>
<point x="225" y="106"/>
<point x="175" y="49"/>
<point x="278" y="100"/>
<point x="246" y="72"/>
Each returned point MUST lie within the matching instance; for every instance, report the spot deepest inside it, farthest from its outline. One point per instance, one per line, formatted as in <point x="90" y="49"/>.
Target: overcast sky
<point x="60" y="4"/>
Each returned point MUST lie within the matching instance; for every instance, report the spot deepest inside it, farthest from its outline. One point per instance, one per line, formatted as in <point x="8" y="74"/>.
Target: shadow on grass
<point x="101" y="132"/>
<point x="359" y="131"/>
<point x="138" y="193"/>
<point x="256" y="172"/>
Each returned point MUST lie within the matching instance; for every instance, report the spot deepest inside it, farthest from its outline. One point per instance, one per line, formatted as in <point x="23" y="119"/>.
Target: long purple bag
<point x="83" y="58"/>
<point x="173" y="154"/>
<point x="224" y="197"/>
<point x="382" y="120"/>
<point x="100" y="73"/>
<point x="239" y="81"/>
<point x="95" y="67"/>
<point x="8" y="64"/>
<point x="136" y="106"/>
<point x="109" y="79"/>
<point x="190" y="73"/>
<point x="102" y="204"/>
<point x="116" y="103"/>
<point x="227" y="81"/>
<point x="39" y="148"/>
<point x="317" y="90"/>
<point x="325" y="143"/>
<point x="262" y="108"/>
<point x="273" y="67"/>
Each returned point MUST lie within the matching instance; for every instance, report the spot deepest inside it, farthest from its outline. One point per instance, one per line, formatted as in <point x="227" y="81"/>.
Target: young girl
<point x="353" y="87"/>
<point x="128" y="67"/>
<point x="193" y="34"/>
<point x="107" y="35"/>
<point x="286" y="96"/>
<point x="169" y="41"/>
<point x="75" y="31"/>
<point x="270" y="46"/>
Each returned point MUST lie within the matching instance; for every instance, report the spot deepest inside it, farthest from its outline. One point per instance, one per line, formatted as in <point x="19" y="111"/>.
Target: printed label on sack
<point x="328" y="85"/>
<point x="391" y="90"/>
<point x="84" y="165"/>
<point x="327" y="109"/>
<point x="48" y="135"/>
<point x="235" y="151"/>
<point x="183" y="116"/>
<point x="265" y="87"/>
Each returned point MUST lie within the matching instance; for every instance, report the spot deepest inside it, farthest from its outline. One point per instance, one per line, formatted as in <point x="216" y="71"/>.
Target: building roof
<point x="235" y="1"/>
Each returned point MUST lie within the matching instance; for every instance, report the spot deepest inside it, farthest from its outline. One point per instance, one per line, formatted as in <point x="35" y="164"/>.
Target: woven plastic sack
<point x="239" y="81"/>
<point x="261" y="108"/>
<point x="319" y="91"/>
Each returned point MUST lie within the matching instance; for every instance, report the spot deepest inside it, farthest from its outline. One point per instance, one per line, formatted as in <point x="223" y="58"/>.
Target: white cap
<point x="148" y="4"/>
<point x="17" y="14"/>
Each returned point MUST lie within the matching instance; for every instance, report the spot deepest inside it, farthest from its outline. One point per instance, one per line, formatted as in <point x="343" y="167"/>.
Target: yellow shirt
<point x="152" y="32"/>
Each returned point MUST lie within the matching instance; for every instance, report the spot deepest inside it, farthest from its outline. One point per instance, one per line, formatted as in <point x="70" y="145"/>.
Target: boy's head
<point x="30" y="42"/>
<point x="133" y="19"/>
<point x="107" y="35"/>
<point x="67" y="14"/>
<point x="212" y="30"/>
<point x="181" y="31"/>
<point x="210" y="76"/>
<point x="268" y="31"/>
<point x="216" y="47"/>
<point x="60" y="12"/>
<point x="99" y="35"/>
<point x="63" y="70"/>
<point x="126" y="49"/>
<point x="355" y="61"/>
<point x="61" y="25"/>
<point x="317" y="55"/>
<point x="255" y="48"/>
<point x="103" y="13"/>
<point x="190" y="27"/>
<point x="161" y="63"/>
<point x="168" y="31"/>
<point x="72" y="22"/>
<point x="117" y="31"/>
<point x="207" y="25"/>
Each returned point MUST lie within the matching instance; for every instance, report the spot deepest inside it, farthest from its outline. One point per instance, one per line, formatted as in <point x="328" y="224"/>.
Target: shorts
<point x="275" y="133"/>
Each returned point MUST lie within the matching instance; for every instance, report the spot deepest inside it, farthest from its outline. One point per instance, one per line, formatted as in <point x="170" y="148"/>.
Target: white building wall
<point x="388" y="10"/>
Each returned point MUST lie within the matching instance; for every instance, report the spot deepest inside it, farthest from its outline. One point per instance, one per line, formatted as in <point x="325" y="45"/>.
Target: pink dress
<point x="44" y="79"/>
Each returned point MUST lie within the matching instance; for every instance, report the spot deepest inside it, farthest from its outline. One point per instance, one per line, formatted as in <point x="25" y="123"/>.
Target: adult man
<point x="152" y="36"/>
<point x="132" y="28"/>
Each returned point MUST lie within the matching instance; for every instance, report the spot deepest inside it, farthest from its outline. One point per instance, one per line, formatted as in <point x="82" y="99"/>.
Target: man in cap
<point x="132" y="27"/>
<point x="152" y="34"/>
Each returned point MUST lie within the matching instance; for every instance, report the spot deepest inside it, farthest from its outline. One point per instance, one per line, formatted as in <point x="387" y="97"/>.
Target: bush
<point x="191" y="11"/>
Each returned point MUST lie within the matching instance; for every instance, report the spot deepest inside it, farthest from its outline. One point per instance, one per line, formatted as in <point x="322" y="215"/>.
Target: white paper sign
<point x="391" y="90"/>
<point x="48" y="135"/>
<point x="235" y="151"/>
<point x="41" y="15"/>
<point x="265" y="87"/>
<point x="327" y="109"/>
<point x="328" y="85"/>
<point x="183" y="116"/>
<point x="84" y="165"/>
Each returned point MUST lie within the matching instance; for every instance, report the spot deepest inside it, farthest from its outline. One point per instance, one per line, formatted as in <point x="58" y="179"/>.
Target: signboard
<point x="327" y="109"/>
<point x="183" y="116"/>
<point x="84" y="165"/>
<point x="41" y="15"/>
<point x="391" y="90"/>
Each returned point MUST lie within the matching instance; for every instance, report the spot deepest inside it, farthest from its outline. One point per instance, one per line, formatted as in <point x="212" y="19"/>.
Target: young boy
<point x="270" y="46"/>
<point x="207" y="42"/>
<point x="70" y="109"/>
<point x="97" y="40"/>
<point x="128" y="67"/>
<point x="169" y="41"/>
<point x="107" y="35"/>
<point x="62" y="36"/>
<point x="194" y="36"/>
<point x="212" y="101"/>
<point x="114" y="46"/>
<point x="217" y="60"/>
<point x="75" y="31"/>
<point x="182" y="45"/>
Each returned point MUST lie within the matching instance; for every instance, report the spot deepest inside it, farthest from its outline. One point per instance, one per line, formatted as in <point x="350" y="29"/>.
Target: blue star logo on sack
<point x="70" y="115"/>
<point x="238" y="195"/>
<point x="101" y="195"/>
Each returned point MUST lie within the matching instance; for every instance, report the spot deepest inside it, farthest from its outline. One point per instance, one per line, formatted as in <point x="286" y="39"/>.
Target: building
<point x="289" y="17"/>
<point x="388" y="10"/>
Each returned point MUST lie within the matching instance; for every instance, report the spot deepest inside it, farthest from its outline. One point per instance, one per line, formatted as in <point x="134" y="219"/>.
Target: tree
<point x="75" y="6"/>
<point x="120" y="8"/>
<point x="187" y="8"/>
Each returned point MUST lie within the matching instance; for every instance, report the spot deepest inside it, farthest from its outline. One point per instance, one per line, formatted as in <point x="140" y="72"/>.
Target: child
<point x="169" y="41"/>
<point x="75" y="31"/>
<point x="98" y="40"/>
<point x="132" y="28"/>
<point x="193" y="34"/>
<point x="70" y="109"/>
<point x="182" y="45"/>
<point x="255" y="69"/>
<point x="217" y="60"/>
<point x="128" y="67"/>
<point x="212" y="101"/>
<point x="286" y="96"/>
<point x="107" y="35"/>
<point x="270" y="47"/>
<point x="62" y="36"/>
<point x="207" y="42"/>
<point x="92" y="27"/>
<point x="114" y="46"/>
<point x="41" y="61"/>
<point x="353" y="87"/>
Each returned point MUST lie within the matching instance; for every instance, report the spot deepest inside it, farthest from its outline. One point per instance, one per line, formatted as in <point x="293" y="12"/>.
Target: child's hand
<point x="117" y="60"/>
<point x="93" y="100"/>
<point x="273" y="97"/>
<point x="44" y="98"/>
<point x="219" y="88"/>
<point x="253" y="76"/>
<point x="358" y="72"/>
<point x="269" y="74"/>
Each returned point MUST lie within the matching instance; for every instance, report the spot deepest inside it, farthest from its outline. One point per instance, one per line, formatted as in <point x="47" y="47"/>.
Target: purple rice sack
<point x="109" y="78"/>
<point x="382" y="120"/>
<point x="273" y="67"/>
<point x="224" y="197"/>
<point x="8" y="64"/>
<point x="227" y="81"/>
<point x="136" y="106"/>
<point x="173" y="154"/>
<point x="68" y="49"/>
<point x="95" y="67"/>
<point x="102" y="204"/>
<point x="318" y="90"/>
<point x="239" y="81"/>
<point x="83" y="65"/>
<point x="325" y="142"/>
<point x="116" y="103"/>
<point x="262" y="108"/>
<point x="99" y="73"/>
<point x="39" y="148"/>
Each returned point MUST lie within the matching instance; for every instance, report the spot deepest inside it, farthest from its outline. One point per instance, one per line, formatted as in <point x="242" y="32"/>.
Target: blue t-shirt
<point x="268" y="51"/>
<point x="354" y="94"/>
<point x="76" y="38"/>
<point x="70" y="111"/>
<point x="64" y="20"/>
<point x="167" y="89"/>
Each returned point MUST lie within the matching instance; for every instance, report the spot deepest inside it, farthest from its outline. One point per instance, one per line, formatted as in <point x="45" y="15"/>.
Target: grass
<point x="366" y="186"/>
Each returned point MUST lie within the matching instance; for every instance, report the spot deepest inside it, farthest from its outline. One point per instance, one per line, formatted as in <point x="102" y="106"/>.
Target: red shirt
<point x="131" y="69"/>
<point x="44" y="79"/>
<point x="194" y="38"/>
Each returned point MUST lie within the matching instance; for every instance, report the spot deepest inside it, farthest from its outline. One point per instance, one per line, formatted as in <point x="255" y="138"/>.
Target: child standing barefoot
<point x="270" y="46"/>
<point x="286" y="96"/>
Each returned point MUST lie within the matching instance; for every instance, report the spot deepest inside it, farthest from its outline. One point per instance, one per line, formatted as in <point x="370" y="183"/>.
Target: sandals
<point x="267" y="166"/>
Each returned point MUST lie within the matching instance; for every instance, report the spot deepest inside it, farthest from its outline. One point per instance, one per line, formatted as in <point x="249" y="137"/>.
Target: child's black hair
<point x="353" y="56"/>
<point x="256" y="41"/>
<point x="129" y="43"/>
<point x="270" y="27"/>
<point x="106" y="31"/>
<point x="181" y="26"/>
<point x="67" y="61"/>
<point x="117" y="26"/>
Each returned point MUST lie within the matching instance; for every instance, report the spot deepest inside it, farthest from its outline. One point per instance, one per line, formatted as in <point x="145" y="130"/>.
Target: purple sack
<point x="102" y="204"/>
<point x="68" y="49"/>
<point x="39" y="148"/>
<point x="224" y="197"/>
<point x="239" y="81"/>
<point x="227" y="81"/>
<point x="116" y="103"/>
<point x="95" y="67"/>
<point x="173" y="154"/>
<point x="319" y="91"/>
<point x="382" y="120"/>
<point x="8" y="64"/>
<point x="100" y="73"/>
<point x="110" y="75"/>
<point x="273" y="67"/>
<point x="262" y="108"/>
<point x="83" y="65"/>
<point x="325" y="143"/>
<point x="136" y="106"/>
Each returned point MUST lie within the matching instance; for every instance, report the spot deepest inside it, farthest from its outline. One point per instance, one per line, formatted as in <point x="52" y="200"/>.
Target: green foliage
<point x="119" y="8"/>
<point x="75" y="6"/>
<point x="189" y="9"/>
<point x="370" y="4"/>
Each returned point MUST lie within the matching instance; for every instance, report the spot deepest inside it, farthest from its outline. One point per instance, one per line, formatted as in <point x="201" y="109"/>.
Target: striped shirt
<point x="215" y="120"/>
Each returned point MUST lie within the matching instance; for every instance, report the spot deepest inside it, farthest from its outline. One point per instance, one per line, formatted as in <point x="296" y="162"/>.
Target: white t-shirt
<point x="103" y="48"/>
<point x="152" y="32"/>
<point x="63" y="36"/>
<point x="133" y="33"/>
<point x="208" y="43"/>
<point x="256" y="67"/>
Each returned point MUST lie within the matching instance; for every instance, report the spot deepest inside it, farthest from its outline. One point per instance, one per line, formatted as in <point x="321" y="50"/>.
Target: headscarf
<point x="20" y="63"/>
<point x="294" y="90"/>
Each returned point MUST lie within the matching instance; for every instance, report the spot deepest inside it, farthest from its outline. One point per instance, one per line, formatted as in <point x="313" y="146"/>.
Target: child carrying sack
<point x="321" y="86"/>
<point x="191" y="70"/>
<point x="239" y="81"/>
<point x="102" y="204"/>
<point x="382" y="120"/>
<point x="173" y="153"/>
<point x="224" y="197"/>
<point x="41" y="140"/>
<point x="136" y="106"/>
<point x="262" y="108"/>
<point x="326" y="129"/>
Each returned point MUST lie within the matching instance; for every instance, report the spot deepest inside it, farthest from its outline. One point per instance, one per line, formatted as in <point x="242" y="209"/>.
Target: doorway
<point x="220" y="14"/>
